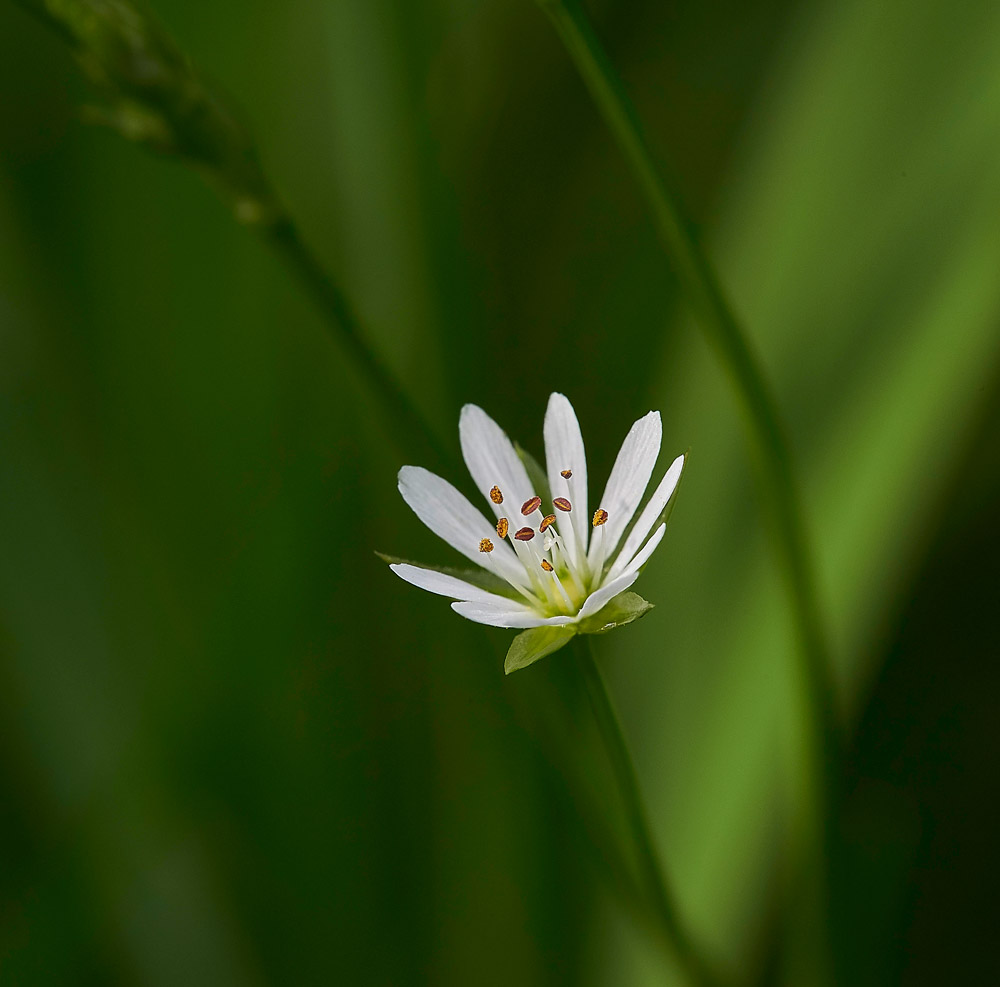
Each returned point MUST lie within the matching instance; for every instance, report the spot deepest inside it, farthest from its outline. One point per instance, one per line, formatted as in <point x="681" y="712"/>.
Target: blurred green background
<point x="234" y="749"/>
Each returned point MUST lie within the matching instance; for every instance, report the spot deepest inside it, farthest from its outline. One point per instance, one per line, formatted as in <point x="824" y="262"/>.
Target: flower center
<point x="556" y="584"/>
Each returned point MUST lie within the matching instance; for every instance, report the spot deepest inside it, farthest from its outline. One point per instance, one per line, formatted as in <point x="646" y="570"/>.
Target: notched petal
<point x="482" y="578"/>
<point x="443" y="584"/>
<point x="505" y="615"/>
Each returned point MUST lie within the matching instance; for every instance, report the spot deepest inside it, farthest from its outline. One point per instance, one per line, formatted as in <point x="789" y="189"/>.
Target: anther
<point x="530" y="506"/>
<point x="600" y="517"/>
<point x="524" y="534"/>
<point x="502" y="527"/>
<point x="486" y="545"/>
<point x="546" y="565"/>
<point x="496" y="496"/>
<point x="548" y="520"/>
<point x="562" y="504"/>
<point x="566" y="474"/>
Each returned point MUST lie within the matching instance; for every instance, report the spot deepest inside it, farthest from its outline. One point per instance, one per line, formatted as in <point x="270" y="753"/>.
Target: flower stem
<point x="659" y="895"/>
<point x="769" y="444"/>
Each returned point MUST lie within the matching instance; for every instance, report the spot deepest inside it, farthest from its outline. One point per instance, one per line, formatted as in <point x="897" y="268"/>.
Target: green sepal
<point x="621" y="610"/>
<point x="536" y="643"/>
<point x="478" y="577"/>
<point x="539" y="481"/>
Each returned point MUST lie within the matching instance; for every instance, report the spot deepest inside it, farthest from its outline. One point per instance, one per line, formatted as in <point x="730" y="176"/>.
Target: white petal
<point x="564" y="450"/>
<point x="649" y="516"/>
<point x="598" y="598"/>
<point x="445" y="585"/>
<point x="646" y="551"/>
<point x="493" y="461"/>
<point x="450" y="516"/>
<point x="628" y="479"/>
<point x="483" y="613"/>
<point x="611" y="589"/>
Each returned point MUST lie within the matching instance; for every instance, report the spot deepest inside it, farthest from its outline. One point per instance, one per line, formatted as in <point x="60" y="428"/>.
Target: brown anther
<point x="546" y="565"/>
<point x="547" y="521"/>
<point x="496" y="496"/>
<point x="502" y="527"/>
<point x="530" y="506"/>
<point x="486" y="545"/>
<point x="524" y="534"/>
<point x="566" y="474"/>
<point x="562" y="504"/>
<point x="600" y="517"/>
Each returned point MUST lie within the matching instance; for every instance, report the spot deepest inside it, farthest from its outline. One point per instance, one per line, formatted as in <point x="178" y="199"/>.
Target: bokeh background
<point x="234" y="749"/>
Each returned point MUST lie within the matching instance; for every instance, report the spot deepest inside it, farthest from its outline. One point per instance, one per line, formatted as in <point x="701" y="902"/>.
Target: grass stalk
<point x="655" y="886"/>
<point x="768" y="440"/>
<point x="154" y="96"/>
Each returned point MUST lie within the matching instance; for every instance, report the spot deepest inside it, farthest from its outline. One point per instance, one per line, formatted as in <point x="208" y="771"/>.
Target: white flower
<point x="547" y="561"/>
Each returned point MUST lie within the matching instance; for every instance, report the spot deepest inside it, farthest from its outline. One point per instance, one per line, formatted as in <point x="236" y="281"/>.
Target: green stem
<point x="655" y="885"/>
<point x="771" y="450"/>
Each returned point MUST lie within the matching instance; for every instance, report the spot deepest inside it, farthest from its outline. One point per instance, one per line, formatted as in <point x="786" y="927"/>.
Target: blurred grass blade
<point x="767" y="433"/>
<point x="859" y="232"/>
<point x="697" y="970"/>
<point x="157" y="98"/>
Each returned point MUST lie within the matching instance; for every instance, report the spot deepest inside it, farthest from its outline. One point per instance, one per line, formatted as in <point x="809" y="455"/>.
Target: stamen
<point x="576" y="558"/>
<point x="547" y="521"/>
<point x="527" y="590"/>
<point x="530" y="506"/>
<point x="532" y="588"/>
<point x="528" y="552"/>
<point x="597" y="563"/>
<point x="566" y="474"/>
<point x="552" y="543"/>
<point x="548" y="567"/>
<point x="496" y="496"/>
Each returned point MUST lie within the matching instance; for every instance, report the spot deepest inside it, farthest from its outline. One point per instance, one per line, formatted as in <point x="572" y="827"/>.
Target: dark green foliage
<point x="234" y="747"/>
